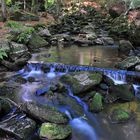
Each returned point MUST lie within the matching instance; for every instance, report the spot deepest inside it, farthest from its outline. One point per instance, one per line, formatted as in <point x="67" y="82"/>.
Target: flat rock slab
<point x="45" y="113"/>
<point x="82" y="81"/>
<point x="129" y="62"/>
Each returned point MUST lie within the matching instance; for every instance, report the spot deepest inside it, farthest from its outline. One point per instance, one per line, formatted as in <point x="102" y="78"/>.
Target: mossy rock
<point x="129" y="62"/>
<point x="23" y="16"/>
<point x="96" y="104"/>
<point x="120" y="115"/>
<point x="37" y="42"/>
<point x="45" y="113"/>
<point x="52" y="131"/>
<point x="124" y="92"/>
<point x="82" y="81"/>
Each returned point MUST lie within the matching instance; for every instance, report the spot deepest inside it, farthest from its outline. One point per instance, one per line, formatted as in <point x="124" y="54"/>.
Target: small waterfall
<point x="137" y="90"/>
<point x="80" y="124"/>
<point x="118" y="78"/>
<point x="52" y="73"/>
<point x="83" y="130"/>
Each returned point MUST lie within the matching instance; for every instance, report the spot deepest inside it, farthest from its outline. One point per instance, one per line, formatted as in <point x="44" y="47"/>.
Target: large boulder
<point x="96" y="104"/>
<point x="52" y="131"/>
<point x="124" y="92"/>
<point x="17" y="50"/>
<point x="125" y="46"/>
<point x="129" y="62"/>
<point x="82" y="81"/>
<point x="116" y="9"/>
<point x="107" y="40"/>
<point x="19" y="126"/>
<point x="45" y="113"/>
<point x="36" y="42"/>
<point x="5" y="45"/>
<point x="137" y="68"/>
<point x="134" y="16"/>
<point x="57" y="94"/>
<point x="44" y="33"/>
<point x="23" y="16"/>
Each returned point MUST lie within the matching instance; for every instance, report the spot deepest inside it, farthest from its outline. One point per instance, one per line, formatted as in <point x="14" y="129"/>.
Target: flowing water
<point x="89" y="126"/>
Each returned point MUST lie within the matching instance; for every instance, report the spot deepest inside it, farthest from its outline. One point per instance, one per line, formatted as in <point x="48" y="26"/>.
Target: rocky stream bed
<point x="52" y="90"/>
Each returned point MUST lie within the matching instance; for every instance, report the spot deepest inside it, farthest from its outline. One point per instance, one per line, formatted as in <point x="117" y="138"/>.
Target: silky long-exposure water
<point x="88" y="126"/>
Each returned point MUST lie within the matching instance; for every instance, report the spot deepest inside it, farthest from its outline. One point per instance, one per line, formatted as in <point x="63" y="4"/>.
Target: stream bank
<point x="72" y="102"/>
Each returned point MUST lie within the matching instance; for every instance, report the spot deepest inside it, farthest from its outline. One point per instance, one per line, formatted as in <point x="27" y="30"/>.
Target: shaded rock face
<point x="17" y="50"/>
<point x="129" y="62"/>
<point x="124" y="92"/>
<point x="134" y="16"/>
<point x="108" y="40"/>
<point x="19" y="126"/>
<point x="137" y="68"/>
<point x="45" y="113"/>
<point x="135" y="37"/>
<point x="45" y="33"/>
<point x="125" y="46"/>
<point x="4" y="44"/>
<point x="117" y="9"/>
<point x="23" y="16"/>
<point x="9" y="91"/>
<point x="5" y="107"/>
<point x="18" y="64"/>
<point x="82" y="82"/>
<point x="36" y="42"/>
<point x="53" y="131"/>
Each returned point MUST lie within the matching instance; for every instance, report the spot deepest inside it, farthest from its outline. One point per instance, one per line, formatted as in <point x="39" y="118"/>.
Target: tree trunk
<point x="3" y="8"/>
<point x="34" y="8"/>
<point x="24" y="4"/>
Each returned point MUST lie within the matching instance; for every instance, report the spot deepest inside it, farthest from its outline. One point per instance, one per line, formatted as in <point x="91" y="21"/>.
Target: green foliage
<point x="15" y="7"/>
<point x="25" y="35"/>
<point x="8" y="2"/>
<point x="134" y="4"/>
<point x="26" y="31"/>
<point x="2" y="54"/>
<point x="49" y="3"/>
<point x="14" y="24"/>
<point x="39" y="26"/>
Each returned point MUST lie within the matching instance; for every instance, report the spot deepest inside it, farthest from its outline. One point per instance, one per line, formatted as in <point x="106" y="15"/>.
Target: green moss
<point x="96" y="105"/>
<point x="37" y="42"/>
<point x="120" y="115"/>
<point x="14" y="25"/>
<point x="96" y="77"/>
<point x="53" y="131"/>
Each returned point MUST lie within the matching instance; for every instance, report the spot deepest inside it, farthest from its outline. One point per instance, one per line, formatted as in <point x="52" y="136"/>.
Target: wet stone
<point x="129" y="62"/>
<point x="18" y="126"/>
<point x="124" y="92"/>
<point x="31" y="79"/>
<point x="52" y="131"/>
<point x="82" y="81"/>
<point x="42" y="91"/>
<point x="45" y="113"/>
